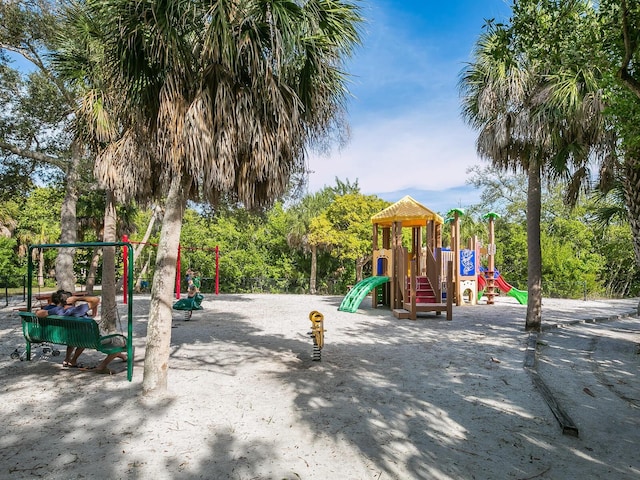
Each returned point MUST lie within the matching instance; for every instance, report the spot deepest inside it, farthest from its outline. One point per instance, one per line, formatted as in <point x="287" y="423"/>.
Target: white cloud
<point x="406" y="129"/>
<point x="429" y="151"/>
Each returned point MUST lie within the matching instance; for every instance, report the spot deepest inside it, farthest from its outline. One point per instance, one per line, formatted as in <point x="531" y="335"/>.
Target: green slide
<point x="354" y="298"/>
<point x="520" y="295"/>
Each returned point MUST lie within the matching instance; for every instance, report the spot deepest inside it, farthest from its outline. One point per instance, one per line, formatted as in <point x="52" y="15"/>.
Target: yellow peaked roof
<point x="407" y="211"/>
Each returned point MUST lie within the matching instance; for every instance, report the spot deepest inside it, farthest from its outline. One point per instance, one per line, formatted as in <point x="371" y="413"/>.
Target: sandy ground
<point x="390" y="399"/>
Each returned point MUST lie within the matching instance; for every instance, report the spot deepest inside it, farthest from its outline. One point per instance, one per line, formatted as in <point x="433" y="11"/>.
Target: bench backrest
<point x="73" y="331"/>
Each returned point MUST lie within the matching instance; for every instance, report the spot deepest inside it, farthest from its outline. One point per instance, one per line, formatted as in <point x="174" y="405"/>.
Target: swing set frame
<point x="128" y="272"/>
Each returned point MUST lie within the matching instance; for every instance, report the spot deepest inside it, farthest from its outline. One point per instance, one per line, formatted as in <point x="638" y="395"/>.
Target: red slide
<point x="500" y="282"/>
<point x="502" y="285"/>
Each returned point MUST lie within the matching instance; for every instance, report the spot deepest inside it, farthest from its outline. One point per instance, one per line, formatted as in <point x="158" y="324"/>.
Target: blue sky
<point x="407" y="135"/>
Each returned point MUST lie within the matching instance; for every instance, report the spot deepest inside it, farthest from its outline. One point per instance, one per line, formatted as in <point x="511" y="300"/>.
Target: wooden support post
<point x="412" y="292"/>
<point x="449" y="289"/>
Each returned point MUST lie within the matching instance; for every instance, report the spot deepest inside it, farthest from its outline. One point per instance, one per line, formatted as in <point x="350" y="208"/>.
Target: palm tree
<point x="535" y="111"/>
<point x="621" y="29"/>
<point x="301" y="216"/>
<point x="308" y="209"/>
<point x="220" y="98"/>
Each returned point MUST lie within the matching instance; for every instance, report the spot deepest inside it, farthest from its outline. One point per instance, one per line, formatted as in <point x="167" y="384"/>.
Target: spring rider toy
<point x="317" y="333"/>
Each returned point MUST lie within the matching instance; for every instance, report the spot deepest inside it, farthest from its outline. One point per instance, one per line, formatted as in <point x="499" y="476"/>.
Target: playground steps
<point x="403" y="313"/>
<point x="424" y="291"/>
<point x="425" y="300"/>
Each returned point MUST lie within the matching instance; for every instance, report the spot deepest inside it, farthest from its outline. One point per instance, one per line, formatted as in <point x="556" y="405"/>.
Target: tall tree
<point x="301" y="216"/>
<point x="220" y="98"/>
<point x="34" y="123"/>
<point x="536" y="105"/>
<point x="305" y="212"/>
<point x="620" y="20"/>
<point x="346" y="226"/>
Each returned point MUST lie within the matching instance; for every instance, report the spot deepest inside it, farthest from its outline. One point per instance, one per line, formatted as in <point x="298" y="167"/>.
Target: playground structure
<point x="427" y="277"/>
<point x="473" y="281"/>
<point x="409" y="280"/>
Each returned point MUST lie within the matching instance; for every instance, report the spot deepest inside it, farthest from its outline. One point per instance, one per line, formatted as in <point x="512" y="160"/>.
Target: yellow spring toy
<point x="317" y="333"/>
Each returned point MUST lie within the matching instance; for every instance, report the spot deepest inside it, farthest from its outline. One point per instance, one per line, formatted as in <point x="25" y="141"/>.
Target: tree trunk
<point x="632" y="201"/>
<point x="360" y="264"/>
<point x="534" y="261"/>
<point x="68" y="223"/>
<point x="90" y="281"/>
<point x="156" y="360"/>
<point x="40" y="268"/>
<point x="314" y="270"/>
<point x="109" y="307"/>
<point x="142" y="274"/>
<point x="155" y="215"/>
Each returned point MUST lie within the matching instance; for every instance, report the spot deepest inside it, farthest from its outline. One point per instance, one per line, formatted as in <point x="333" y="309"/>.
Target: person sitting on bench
<point x="64" y="303"/>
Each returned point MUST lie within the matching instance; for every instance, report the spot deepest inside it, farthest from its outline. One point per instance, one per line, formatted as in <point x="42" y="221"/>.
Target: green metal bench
<point x="80" y="332"/>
